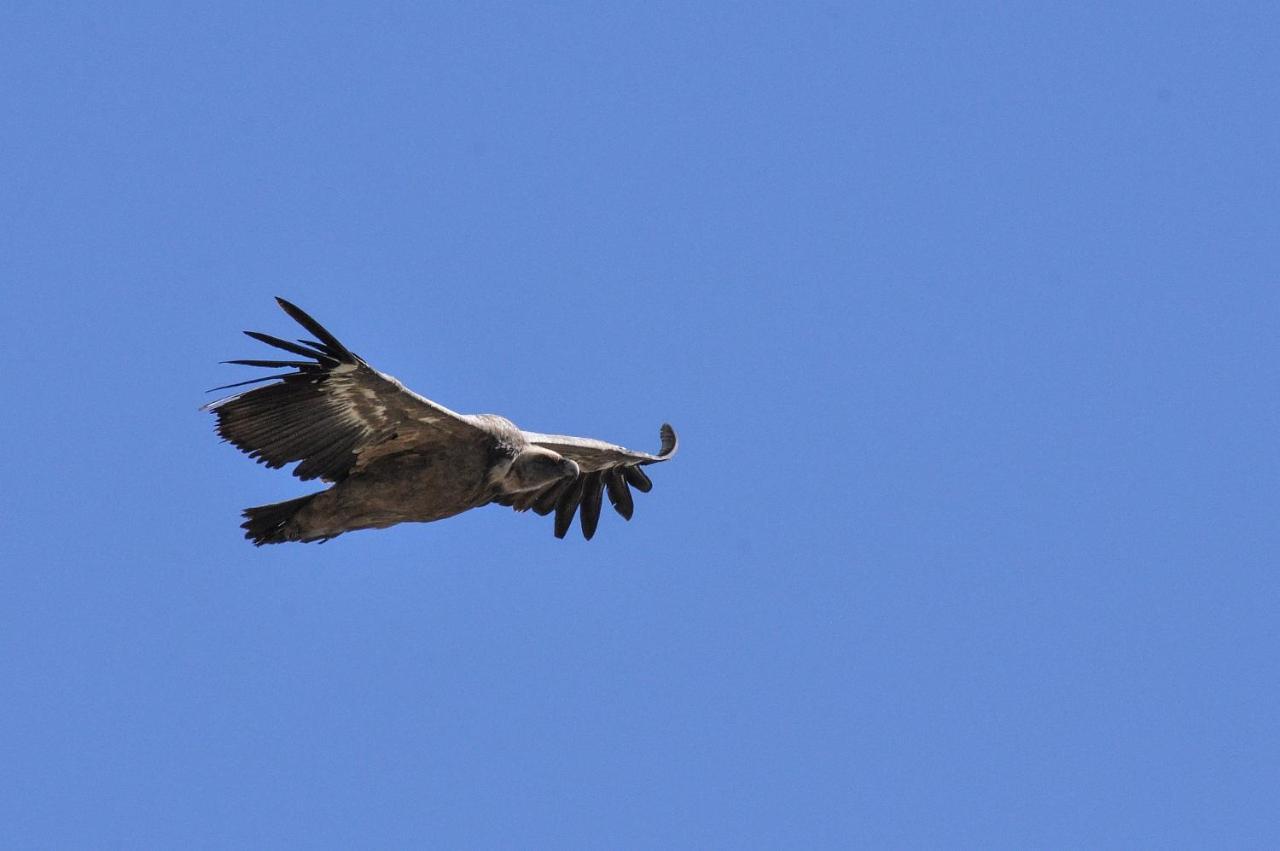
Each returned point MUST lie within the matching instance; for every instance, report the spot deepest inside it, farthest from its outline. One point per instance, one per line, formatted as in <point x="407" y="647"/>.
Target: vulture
<point x="393" y="456"/>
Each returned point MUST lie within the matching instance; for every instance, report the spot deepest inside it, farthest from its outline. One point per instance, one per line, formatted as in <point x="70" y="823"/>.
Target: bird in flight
<point x="395" y="457"/>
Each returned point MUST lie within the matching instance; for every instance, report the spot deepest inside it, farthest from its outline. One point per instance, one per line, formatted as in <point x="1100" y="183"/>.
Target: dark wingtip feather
<point x="273" y="364"/>
<point x="589" y="510"/>
<point x="567" y="506"/>
<point x="545" y="502"/>
<point x="251" y="381"/>
<point x="292" y="348"/>
<point x="619" y="494"/>
<point x="304" y="319"/>
<point x="670" y="442"/>
<point x="319" y="347"/>
<point x="637" y="478"/>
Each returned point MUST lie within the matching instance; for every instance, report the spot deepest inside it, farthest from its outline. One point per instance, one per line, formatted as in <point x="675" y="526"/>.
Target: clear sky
<point x="966" y="314"/>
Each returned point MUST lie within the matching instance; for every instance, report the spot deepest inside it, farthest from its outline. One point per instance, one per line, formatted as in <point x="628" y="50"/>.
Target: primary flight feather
<point x="394" y="456"/>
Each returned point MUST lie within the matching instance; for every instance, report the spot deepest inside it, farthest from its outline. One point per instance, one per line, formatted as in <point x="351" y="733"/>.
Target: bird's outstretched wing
<point x="334" y="413"/>
<point x="605" y="468"/>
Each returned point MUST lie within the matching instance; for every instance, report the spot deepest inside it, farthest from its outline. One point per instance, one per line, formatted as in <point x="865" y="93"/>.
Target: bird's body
<point x="405" y="487"/>
<point x="397" y="457"/>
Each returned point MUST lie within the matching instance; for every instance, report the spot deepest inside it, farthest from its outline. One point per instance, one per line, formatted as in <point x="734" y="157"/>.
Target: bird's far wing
<point x="333" y="413"/>
<point x="605" y="468"/>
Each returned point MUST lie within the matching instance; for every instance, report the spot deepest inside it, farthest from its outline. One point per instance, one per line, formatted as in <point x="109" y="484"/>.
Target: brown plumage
<point x="394" y="456"/>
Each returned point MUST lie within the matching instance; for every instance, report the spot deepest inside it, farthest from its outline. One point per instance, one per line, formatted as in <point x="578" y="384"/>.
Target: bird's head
<point x="536" y="467"/>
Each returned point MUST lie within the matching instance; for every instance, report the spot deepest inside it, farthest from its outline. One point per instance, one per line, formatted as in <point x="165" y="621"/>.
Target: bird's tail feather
<point x="273" y="524"/>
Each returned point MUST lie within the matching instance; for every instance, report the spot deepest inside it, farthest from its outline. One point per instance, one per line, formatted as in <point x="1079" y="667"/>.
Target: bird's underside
<point x="394" y="456"/>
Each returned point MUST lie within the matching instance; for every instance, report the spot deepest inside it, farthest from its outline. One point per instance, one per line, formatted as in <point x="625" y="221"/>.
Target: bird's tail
<point x="273" y="524"/>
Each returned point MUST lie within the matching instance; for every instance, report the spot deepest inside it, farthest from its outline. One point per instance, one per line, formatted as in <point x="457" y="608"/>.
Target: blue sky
<point x="966" y="315"/>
